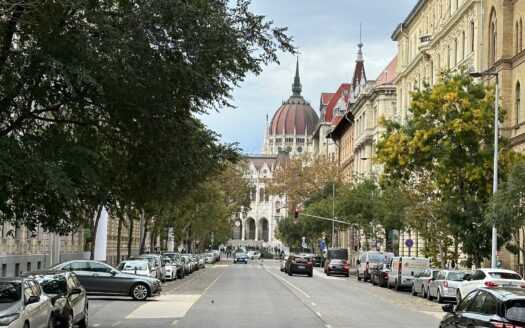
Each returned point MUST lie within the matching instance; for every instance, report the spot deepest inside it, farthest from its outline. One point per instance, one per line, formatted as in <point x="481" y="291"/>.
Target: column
<point x="243" y="229"/>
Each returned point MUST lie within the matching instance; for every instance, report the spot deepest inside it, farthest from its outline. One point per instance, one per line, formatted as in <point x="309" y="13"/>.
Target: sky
<point x="326" y="34"/>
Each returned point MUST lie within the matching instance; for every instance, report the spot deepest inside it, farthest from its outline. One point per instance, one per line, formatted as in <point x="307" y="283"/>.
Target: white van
<point x="404" y="269"/>
<point x="368" y="261"/>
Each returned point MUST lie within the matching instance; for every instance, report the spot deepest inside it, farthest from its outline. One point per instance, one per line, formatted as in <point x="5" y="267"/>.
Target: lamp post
<point x="494" y="249"/>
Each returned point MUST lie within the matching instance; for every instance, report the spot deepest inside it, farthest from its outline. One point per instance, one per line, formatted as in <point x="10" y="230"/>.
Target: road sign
<point x="409" y="243"/>
<point x="322" y="245"/>
<point x="303" y="244"/>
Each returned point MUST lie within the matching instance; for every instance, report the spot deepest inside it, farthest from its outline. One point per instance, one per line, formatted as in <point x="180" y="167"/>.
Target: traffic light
<point x="296" y="213"/>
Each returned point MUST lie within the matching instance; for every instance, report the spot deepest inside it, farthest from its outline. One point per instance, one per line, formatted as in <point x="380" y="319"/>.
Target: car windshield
<point x="376" y="258"/>
<point x="10" y="292"/>
<point x="505" y="275"/>
<point x="240" y="254"/>
<point x="515" y="311"/>
<point x="133" y="265"/>
<point x="53" y="284"/>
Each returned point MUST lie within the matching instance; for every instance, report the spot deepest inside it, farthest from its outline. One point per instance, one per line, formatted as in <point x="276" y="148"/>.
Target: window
<point x="466" y="301"/>
<point x="463" y="45"/>
<point x="78" y="266"/>
<point x="28" y="267"/>
<point x="477" y="303"/>
<point x="28" y="291"/>
<point x="261" y="194"/>
<point x="518" y="103"/>
<point x="17" y="269"/>
<point x="39" y="265"/>
<point x="448" y="57"/>
<point x="517" y="37"/>
<point x="493" y="37"/>
<point x="4" y="270"/>
<point x="472" y="36"/>
<point x="455" y="52"/>
<point x="99" y="267"/>
<point x="521" y="34"/>
<point x="490" y="306"/>
<point x="299" y="149"/>
<point x="505" y="275"/>
<point x="478" y="275"/>
<point x="441" y="275"/>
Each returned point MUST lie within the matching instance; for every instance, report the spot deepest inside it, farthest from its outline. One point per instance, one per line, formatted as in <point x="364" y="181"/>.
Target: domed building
<point x="293" y="125"/>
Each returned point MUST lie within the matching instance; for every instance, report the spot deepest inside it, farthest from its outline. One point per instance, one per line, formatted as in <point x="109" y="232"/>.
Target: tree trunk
<point x="143" y="238"/>
<point x="119" y="237"/>
<point x="130" y="236"/>
<point x="153" y="239"/>
<point x="94" y="232"/>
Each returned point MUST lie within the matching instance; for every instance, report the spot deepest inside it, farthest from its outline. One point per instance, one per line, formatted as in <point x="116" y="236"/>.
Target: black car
<point x="299" y="264"/>
<point x="379" y="275"/>
<point x="487" y="307"/>
<point x="99" y="278"/>
<point x="69" y="298"/>
<point x="318" y="261"/>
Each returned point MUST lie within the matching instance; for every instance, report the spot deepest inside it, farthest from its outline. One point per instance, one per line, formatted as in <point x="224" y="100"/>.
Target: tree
<point x="448" y="137"/>
<point x="109" y="89"/>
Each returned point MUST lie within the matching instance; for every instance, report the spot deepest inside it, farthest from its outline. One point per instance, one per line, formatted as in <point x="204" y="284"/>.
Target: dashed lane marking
<point x="174" y="322"/>
<point x="116" y="324"/>
<point x="313" y="304"/>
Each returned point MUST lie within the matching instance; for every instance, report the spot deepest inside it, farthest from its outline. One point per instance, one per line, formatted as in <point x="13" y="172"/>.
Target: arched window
<point x="493" y="37"/>
<point x="262" y="196"/>
<point x="448" y="57"/>
<point x="518" y="103"/>
<point x="253" y="194"/>
<point x="472" y="36"/>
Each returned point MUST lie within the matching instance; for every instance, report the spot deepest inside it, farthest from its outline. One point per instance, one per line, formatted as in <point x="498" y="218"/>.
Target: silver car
<point x="422" y="282"/>
<point x="21" y="301"/>
<point x="445" y="285"/>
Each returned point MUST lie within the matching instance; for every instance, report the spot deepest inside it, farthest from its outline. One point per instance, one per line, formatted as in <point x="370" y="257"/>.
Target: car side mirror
<point x="76" y="290"/>
<point x="467" y="277"/>
<point x="33" y="299"/>
<point x="449" y="308"/>
<point x="113" y="273"/>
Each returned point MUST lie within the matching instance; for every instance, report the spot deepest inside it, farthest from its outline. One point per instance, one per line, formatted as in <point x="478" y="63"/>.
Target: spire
<point x="296" y="87"/>
<point x="359" y="77"/>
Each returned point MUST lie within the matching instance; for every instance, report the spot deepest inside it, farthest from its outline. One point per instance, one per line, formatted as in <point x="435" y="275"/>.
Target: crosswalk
<point x="165" y="307"/>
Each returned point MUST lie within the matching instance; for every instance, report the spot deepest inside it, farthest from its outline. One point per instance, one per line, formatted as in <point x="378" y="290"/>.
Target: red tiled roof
<point x="388" y="74"/>
<point x="329" y="114"/>
<point x="326" y="97"/>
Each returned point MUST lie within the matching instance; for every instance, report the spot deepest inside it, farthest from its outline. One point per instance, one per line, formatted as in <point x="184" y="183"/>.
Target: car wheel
<point x="397" y="286"/>
<point x="439" y="299"/>
<point x="139" y="292"/>
<point x="289" y="273"/>
<point x="85" y="320"/>
<point x="425" y="294"/>
<point x="358" y="277"/>
<point x="458" y="297"/>
<point x="414" y="293"/>
<point x="50" y="323"/>
<point x="311" y="274"/>
<point x="429" y="296"/>
<point x="26" y="325"/>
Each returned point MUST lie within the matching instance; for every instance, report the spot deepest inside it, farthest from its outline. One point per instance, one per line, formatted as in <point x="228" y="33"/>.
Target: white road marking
<point x="289" y="284"/>
<point x="313" y="304"/>
<point x="116" y="324"/>
<point x="165" y="306"/>
<point x="318" y="314"/>
<point x="174" y="322"/>
<point x="96" y="325"/>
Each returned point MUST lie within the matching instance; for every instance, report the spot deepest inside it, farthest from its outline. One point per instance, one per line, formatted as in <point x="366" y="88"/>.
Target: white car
<point x="137" y="267"/>
<point x="489" y="278"/>
<point x="254" y="255"/>
<point x="171" y="268"/>
<point x="283" y="263"/>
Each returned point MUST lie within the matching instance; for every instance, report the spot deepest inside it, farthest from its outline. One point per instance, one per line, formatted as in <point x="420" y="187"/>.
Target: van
<point x="368" y="261"/>
<point x="403" y="270"/>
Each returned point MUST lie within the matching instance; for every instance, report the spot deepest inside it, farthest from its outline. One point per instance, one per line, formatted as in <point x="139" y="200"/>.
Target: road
<point x="259" y="295"/>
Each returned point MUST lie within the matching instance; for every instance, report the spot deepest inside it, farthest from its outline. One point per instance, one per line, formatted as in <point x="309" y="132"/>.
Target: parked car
<point x="137" y="267"/>
<point x="171" y="268"/>
<point x="422" y="280"/>
<point x="488" y="278"/>
<point x="337" y="262"/>
<point x="370" y="260"/>
<point x="299" y="264"/>
<point x="156" y="262"/>
<point x="69" y="298"/>
<point x="283" y="263"/>
<point x="318" y="261"/>
<point x="177" y="260"/>
<point x="254" y="255"/>
<point x="487" y="307"/>
<point x="23" y="301"/>
<point x="210" y="258"/>
<point x="403" y="270"/>
<point x="187" y="264"/>
<point x="202" y="261"/>
<point x="99" y="278"/>
<point x="445" y="285"/>
<point x="379" y="275"/>
<point x="217" y="254"/>
<point x="240" y="257"/>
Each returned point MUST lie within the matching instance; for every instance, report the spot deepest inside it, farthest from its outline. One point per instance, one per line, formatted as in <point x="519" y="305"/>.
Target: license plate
<point x="300" y="267"/>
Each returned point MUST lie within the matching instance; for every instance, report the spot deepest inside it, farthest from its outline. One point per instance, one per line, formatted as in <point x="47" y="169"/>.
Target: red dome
<point x="294" y="116"/>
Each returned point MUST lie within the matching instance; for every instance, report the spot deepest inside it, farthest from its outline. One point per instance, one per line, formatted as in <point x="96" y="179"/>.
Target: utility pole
<point x="333" y="214"/>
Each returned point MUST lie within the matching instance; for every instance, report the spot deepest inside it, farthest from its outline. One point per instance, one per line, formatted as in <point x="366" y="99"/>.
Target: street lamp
<point x="495" y="177"/>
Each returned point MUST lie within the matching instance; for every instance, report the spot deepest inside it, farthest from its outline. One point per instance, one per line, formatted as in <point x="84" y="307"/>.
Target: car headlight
<point x="7" y="319"/>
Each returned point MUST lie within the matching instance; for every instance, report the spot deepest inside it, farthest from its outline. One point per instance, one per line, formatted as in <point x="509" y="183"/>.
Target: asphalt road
<point x="259" y="295"/>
